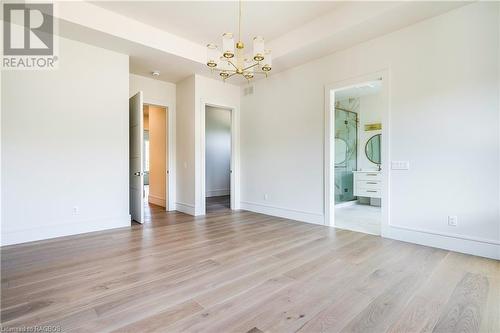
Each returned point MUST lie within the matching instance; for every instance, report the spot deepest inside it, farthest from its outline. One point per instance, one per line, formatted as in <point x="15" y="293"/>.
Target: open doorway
<point x="149" y="146"/>
<point x="357" y="114"/>
<point x="217" y="159"/>
<point x="155" y="155"/>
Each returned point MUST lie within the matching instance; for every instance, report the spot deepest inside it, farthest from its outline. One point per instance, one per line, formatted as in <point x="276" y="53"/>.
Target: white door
<point x="136" y="169"/>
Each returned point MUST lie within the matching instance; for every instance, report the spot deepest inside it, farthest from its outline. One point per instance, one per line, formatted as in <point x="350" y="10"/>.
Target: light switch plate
<point x="400" y="165"/>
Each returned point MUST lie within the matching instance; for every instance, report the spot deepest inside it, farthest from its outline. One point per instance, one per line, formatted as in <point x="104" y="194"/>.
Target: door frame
<point x="329" y="171"/>
<point x="200" y="191"/>
<point x="170" y="157"/>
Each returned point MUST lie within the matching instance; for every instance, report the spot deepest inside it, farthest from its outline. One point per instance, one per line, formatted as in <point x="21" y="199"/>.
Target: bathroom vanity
<point x="368" y="184"/>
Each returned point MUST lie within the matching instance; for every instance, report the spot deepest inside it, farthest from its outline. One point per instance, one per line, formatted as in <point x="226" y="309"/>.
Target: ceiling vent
<point x="248" y="91"/>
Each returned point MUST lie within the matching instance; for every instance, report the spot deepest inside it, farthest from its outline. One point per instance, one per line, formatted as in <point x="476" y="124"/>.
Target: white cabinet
<point x="368" y="184"/>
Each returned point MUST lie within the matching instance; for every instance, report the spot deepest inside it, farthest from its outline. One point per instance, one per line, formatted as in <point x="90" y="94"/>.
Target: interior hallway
<point x="242" y="271"/>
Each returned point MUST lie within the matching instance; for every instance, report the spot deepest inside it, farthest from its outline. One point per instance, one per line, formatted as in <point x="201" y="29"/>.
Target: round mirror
<point x="340" y="151"/>
<point x="372" y="149"/>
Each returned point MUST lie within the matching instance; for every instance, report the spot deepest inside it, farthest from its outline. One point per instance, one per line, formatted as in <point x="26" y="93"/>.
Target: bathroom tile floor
<point x="359" y="217"/>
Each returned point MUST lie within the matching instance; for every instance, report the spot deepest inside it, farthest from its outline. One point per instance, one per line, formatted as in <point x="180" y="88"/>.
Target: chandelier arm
<point x="251" y="66"/>
<point x="224" y="70"/>
<point x="235" y="67"/>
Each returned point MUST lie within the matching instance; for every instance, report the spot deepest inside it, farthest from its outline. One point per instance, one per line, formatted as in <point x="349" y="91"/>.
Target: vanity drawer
<point x="369" y="184"/>
<point x="366" y="192"/>
<point x="374" y="176"/>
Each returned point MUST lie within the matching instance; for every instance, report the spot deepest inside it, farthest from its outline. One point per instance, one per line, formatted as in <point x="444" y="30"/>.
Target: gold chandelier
<point x="229" y="63"/>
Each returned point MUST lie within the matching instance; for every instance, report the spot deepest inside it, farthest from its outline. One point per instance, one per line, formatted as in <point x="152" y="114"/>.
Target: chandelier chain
<point x="239" y="23"/>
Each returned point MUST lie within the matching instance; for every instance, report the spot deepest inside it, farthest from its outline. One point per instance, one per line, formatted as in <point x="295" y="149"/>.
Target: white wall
<point x="444" y="119"/>
<point x="185" y="141"/>
<point x="65" y="145"/>
<point x="155" y="91"/>
<point x="217" y="151"/>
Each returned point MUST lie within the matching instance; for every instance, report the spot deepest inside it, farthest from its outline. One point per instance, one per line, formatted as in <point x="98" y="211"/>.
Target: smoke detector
<point x="155" y="73"/>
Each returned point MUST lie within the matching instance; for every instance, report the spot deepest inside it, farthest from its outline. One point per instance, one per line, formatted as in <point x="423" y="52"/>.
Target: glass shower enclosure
<point x="345" y="142"/>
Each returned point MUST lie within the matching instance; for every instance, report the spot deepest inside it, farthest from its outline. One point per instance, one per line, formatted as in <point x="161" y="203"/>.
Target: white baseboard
<point x="217" y="193"/>
<point x="479" y="247"/>
<point x="287" y="213"/>
<point x="155" y="200"/>
<point x="185" y="208"/>
<point x="65" y="228"/>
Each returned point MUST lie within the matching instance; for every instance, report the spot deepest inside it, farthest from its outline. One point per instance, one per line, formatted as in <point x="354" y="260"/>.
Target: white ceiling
<point x="143" y="59"/>
<point x="204" y="22"/>
<point x="170" y="36"/>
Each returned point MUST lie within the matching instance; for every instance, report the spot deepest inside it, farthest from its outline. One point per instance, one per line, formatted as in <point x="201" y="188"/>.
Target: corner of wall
<point x="185" y="129"/>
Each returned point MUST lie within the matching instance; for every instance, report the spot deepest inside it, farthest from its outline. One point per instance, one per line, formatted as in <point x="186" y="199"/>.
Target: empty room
<point x="250" y="166"/>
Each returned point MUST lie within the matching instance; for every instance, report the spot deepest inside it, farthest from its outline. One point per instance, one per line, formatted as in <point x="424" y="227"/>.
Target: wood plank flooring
<point x="244" y="272"/>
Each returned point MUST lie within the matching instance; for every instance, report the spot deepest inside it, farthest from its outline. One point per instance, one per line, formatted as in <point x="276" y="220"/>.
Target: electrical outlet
<point x="452" y="221"/>
<point x="76" y="210"/>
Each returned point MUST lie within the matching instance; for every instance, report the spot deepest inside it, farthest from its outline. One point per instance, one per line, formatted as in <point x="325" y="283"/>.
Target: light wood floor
<point x="245" y="272"/>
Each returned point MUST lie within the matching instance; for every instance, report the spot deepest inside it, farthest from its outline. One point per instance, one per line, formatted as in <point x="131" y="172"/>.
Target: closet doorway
<point x="218" y="150"/>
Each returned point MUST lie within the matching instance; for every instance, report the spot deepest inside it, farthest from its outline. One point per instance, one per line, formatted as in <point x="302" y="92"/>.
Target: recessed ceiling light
<point x="155" y="73"/>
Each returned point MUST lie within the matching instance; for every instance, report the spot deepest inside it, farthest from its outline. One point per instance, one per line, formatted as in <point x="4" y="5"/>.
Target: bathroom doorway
<point x="356" y="177"/>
